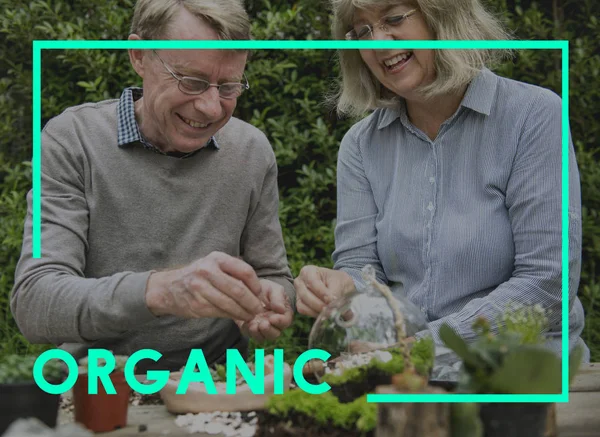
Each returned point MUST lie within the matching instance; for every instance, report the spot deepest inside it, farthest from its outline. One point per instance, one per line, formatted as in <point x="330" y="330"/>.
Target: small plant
<point x="19" y="369"/>
<point x="20" y="395"/>
<point x="120" y="361"/>
<point x="530" y="321"/>
<point x="513" y="360"/>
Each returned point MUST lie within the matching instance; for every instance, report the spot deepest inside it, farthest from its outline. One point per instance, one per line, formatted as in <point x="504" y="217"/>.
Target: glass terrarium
<point x="373" y="332"/>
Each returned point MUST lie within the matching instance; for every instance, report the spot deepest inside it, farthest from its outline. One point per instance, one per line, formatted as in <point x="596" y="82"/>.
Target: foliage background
<point x="286" y="102"/>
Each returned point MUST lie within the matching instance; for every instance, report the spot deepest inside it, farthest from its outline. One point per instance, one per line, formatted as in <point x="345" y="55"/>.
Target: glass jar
<point x="371" y="323"/>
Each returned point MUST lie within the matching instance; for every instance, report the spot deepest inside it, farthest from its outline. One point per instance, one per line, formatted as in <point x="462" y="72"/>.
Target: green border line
<point x="297" y="45"/>
<point x="563" y="45"/>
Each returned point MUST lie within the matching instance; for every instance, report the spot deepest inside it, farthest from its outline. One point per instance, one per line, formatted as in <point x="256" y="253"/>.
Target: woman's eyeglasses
<point x="387" y="24"/>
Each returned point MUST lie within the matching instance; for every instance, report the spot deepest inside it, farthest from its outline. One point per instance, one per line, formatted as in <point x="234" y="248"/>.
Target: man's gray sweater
<point x="110" y="215"/>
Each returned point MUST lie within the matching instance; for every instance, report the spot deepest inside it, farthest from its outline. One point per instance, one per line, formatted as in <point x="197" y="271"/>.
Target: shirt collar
<point x="128" y="131"/>
<point x="479" y="97"/>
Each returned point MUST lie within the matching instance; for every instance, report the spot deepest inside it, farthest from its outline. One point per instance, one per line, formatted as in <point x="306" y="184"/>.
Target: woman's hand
<point x="317" y="286"/>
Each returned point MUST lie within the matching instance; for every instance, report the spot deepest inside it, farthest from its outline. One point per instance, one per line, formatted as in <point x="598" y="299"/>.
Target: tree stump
<point x="413" y="419"/>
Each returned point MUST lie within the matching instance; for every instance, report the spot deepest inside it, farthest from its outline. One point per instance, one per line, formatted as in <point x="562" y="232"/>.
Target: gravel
<point x="231" y="424"/>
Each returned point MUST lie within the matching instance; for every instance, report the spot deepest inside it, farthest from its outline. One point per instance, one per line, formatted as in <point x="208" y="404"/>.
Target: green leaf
<point x="528" y="370"/>
<point x="453" y="341"/>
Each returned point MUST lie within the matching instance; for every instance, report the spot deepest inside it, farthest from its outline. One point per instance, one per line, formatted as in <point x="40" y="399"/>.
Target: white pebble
<point x="184" y="420"/>
<point x="214" y="428"/>
<point x="247" y="431"/>
<point x="229" y="431"/>
<point x="383" y="356"/>
<point x="196" y="427"/>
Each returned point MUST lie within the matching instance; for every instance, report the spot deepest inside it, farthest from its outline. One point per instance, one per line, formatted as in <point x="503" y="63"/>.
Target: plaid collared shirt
<point x="128" y="129"/>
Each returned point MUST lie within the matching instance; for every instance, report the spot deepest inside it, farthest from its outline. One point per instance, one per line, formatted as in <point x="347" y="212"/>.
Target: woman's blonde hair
<point x="359" y="90"/>
<point x="151" y="18"/>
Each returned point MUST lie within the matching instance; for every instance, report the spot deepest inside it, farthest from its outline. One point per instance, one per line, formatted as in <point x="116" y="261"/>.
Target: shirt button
<point x="430" y="206"/>
<point x="431" y="180"/>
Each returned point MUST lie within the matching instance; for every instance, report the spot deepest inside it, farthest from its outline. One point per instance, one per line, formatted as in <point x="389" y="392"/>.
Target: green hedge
<point x="286" y="101"/>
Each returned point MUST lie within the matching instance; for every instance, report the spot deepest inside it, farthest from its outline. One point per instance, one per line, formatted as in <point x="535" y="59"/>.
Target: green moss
<point x="326" y="409"/>
<point x="422" y="355"/>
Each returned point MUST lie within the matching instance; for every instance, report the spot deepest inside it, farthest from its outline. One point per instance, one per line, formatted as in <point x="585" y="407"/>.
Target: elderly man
<point x="160" y="210"/>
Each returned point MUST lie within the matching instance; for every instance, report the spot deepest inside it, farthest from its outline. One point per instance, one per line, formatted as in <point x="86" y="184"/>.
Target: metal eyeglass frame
<point x="243" y="86"/>
<point x="378" y="24"/>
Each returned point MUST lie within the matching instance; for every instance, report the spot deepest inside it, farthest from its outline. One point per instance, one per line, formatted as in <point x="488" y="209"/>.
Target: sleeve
<point x="262" y="243"/>
<point x="52" y="301"/>
<point x="355" y="232"/>
<point x="534" y="204"/>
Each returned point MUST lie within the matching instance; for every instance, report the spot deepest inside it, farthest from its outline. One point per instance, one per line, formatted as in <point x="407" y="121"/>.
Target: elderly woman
<point x="451" y="187"/>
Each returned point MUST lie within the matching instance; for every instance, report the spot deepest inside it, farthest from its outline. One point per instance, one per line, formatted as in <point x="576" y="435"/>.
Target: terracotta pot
<point x="101" y="412"/>
<point x="26" y="399"/>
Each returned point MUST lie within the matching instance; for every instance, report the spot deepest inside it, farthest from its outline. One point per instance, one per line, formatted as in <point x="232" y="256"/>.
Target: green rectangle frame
<point x="39" y="45"/>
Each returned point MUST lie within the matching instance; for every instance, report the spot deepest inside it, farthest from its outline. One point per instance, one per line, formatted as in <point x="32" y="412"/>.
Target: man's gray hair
<point x="360" y="91"/>
<point x="151" y="18"/>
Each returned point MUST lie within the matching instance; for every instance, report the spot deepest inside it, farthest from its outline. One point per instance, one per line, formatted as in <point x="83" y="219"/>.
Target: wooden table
<point x="580" y="417"/>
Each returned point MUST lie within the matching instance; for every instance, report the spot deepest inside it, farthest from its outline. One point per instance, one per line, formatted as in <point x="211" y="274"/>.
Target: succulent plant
<point x="513" y="360"/>
<point x="19" y="369"/>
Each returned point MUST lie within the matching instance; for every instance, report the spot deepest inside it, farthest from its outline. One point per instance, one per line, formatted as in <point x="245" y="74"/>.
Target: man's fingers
<point x="280" y="321"/>
<point x="254" y="331"/>
<point x="235" y="290"/>
<point x="277" y="299"/>
<point x="268" y="331"/>
<point x="220" y="301"/>
<point x="240" y="270"/>
<point x="195" y="305"/>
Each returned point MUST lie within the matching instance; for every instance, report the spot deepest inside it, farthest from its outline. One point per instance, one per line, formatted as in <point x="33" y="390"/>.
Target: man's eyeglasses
<point x="387" y="24"/>
<point x="194" y="85"/>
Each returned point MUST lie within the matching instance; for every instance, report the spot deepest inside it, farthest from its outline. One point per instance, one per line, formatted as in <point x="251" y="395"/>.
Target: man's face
<point x="170" y="119"/>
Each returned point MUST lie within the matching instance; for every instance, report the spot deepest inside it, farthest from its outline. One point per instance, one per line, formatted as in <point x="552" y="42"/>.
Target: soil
<point x="300" y="425"/>
<point x="351" y="390"/>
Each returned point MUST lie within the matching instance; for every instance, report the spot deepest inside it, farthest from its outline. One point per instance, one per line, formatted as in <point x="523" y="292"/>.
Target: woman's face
<point x="399" y="70"/>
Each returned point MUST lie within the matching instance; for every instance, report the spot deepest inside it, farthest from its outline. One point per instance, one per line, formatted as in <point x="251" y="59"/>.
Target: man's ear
<point x="136" y="56"/>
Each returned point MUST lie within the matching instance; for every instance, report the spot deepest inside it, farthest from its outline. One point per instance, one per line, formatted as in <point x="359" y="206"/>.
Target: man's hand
<point x="217" y="285"/>
<point x="277" y="314"/>
<point x="318" y="286"/>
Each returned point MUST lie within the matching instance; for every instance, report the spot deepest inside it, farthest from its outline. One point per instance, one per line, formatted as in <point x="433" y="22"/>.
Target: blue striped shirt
<point x="470" y="222"/>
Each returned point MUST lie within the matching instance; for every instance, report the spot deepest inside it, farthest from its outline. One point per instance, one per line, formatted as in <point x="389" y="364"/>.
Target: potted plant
<point x="512" y="360"/>
<point x="102" y="412"/>
<point x="21" y="397"/>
